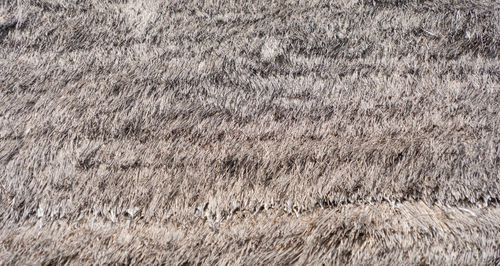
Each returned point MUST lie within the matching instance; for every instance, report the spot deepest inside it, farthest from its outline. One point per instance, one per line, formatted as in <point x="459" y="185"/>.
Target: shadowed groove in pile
<point x="250" y="132"/>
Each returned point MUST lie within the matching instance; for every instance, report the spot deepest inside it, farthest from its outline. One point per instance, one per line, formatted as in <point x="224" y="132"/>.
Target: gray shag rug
<point x="249" y="132"/>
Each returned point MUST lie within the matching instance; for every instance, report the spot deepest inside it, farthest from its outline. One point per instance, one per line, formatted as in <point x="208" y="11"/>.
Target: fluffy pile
<point x="250" y="132"/>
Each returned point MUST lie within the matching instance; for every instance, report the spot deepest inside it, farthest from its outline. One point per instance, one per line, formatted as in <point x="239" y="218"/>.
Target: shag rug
<point x="249" y="132"/>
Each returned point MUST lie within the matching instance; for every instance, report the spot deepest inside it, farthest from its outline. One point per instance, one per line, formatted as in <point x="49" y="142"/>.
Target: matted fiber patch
<point x="250" y="132"/>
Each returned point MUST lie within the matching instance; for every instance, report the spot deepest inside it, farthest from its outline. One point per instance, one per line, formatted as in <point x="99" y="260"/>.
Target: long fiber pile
<point x="250" y="132"/>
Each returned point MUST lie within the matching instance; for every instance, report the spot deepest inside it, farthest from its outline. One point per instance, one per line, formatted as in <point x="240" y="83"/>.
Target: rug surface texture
<point x="250" y="132"/>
